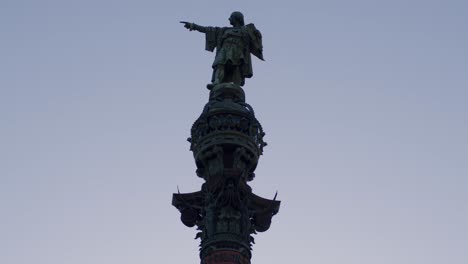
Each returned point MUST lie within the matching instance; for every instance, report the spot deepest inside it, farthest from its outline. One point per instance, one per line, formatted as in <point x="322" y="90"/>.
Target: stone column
<point x="226" y="141"/>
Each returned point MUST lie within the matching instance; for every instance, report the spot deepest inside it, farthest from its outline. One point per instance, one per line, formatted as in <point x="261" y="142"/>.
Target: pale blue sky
<point x="364" y="104"/>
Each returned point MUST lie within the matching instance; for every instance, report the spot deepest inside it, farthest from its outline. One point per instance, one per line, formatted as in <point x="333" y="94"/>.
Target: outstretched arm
<point x="193" y="26"/>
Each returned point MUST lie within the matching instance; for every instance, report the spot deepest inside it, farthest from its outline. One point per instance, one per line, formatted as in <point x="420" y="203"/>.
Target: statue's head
<point x="237" y="19"/>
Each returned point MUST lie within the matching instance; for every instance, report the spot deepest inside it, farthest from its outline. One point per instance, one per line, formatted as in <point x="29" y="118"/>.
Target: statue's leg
<point x="232" y="74"/>
<point x="237" y="76"/>
<point x="219" y="74"/>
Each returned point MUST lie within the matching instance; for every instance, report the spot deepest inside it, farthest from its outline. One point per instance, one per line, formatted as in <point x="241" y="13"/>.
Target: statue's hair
<point x="239" y="17"/>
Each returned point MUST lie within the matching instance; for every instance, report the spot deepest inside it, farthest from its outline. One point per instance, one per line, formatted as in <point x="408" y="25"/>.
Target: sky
<point x="364" y="105"/>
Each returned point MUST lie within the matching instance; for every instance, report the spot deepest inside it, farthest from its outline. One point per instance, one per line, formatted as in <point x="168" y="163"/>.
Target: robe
<point x="234" y="46"/>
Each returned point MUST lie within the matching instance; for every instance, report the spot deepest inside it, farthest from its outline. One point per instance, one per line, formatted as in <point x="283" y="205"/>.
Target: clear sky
<point x="364" y="104"/>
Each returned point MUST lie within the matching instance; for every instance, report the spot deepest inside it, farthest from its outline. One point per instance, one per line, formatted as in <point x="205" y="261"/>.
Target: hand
<point x="187" y="25"/>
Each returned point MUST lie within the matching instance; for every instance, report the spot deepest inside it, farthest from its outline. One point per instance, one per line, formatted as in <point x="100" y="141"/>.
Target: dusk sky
<point x="364" y="105"/>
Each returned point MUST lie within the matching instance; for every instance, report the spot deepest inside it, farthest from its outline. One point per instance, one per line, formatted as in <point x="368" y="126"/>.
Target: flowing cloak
<point x="252" y="43"/>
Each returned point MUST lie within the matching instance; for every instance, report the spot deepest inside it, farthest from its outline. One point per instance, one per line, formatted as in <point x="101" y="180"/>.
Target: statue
<point x="233" y="45"/>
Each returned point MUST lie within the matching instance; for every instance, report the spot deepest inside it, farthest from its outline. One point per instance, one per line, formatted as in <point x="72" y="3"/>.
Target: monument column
<point x="227" y="141"/>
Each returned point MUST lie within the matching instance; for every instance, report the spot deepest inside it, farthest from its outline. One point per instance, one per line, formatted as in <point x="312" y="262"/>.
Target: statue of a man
<point x="233" y="45"/>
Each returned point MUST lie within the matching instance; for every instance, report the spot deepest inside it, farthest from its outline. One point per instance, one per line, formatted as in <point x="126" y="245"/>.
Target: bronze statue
<point x="233" y="45"/>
